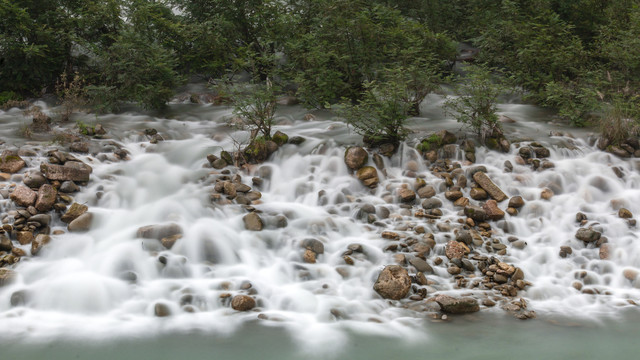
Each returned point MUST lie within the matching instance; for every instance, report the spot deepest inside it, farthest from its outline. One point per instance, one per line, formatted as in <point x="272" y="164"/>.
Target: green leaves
<point x="476" y="102"/>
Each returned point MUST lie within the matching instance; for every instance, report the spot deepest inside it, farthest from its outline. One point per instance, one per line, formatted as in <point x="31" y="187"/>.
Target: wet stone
<point x="426" y="192"/>
<point x="485" y="182"/>
<point x="587" y="235"/>
<point x="453" y="305"/>
<point x="393" y="283"/>
<point x="23" y="196"/>
<point x="421" y="265"/>
<point x="253" y="222"/>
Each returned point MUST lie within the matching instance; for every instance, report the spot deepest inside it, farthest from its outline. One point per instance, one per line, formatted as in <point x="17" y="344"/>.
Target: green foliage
<point x="380" y="115"/>
<point x="621" y="120"/>
<point x="135" y="69"/>
<point x="431" y="143"/>
<point x="574" y="100"/>
<point x="255" y="105"/>
<point x="476" y="102"/>
<point x="7" y="96"/>
<point x="344" y="44"/>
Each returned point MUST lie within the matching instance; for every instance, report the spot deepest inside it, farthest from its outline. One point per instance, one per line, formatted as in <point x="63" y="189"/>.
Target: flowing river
<point x="95" y="294"/>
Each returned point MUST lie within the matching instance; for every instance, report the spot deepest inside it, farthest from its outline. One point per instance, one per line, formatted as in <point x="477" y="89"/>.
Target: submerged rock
<point x="393" y="283"/>
<point x="159" y="231"/>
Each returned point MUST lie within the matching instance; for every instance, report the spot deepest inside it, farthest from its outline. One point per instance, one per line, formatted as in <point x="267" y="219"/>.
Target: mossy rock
<point x="224" y="155"/>
<point x="280" y="138"/>
<point x="256" y="152"/>
<point x="433" y="142"/>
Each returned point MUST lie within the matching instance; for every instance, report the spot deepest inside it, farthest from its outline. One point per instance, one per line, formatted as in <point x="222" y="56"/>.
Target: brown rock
<point x="492" y="210"/>
<point x="74" y="211"/>
<point x="605" y="251"/>
<point x="46" y="198"/>
<point x="390" y="235"/>
<point x="309" y="256"/>
<point x="355" y="157"/>
<point x="368" y="176"/>
<point x="5" y="243"/>
<point x="546" y="194"/>
<point x="485" y="182"/>
<point x="478" y="194"/>
<point x="426" y="192"/>
<point x="243" y="303"/>
<point x="475" y="212"/>
<point x="81" y="223"/>
<point x="462" y="202"/>
<point x="588" y="235"/>
<point x="455" y="250"/>
<point x="625" y="213"/>
<point x="630" y="274"/>
<point x="23" y="196"/>
<point x="453" y="195"/>
<point x="161" y="310"/>
<point x="79" y="146"/>
<point x="11" y="162"/>
<point x="253" y="222"/>
<point x="169" y="241"/>
<point x="6" y="277"/>
<point x="516" y="202"/>
<point x="71" y="170"/>
<point x="24" y="237"/>
<point x="393" y="283"/>
<point x="460" y="305"/>
<point x="406" y="195"/>
<point x="40" y="241"/>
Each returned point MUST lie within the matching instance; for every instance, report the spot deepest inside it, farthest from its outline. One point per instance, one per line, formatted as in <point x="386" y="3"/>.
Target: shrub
<point x="381" y="114"/>
<point x="476" y="102"/>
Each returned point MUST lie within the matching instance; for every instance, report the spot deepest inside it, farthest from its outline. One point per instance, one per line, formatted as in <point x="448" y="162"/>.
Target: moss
<point x="280" y="138"/>
<point x="492" y="143"/>
<point x="431" y="143"/>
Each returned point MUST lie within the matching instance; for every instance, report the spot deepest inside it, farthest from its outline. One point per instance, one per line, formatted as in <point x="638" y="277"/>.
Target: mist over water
<point x="105" y="283"/>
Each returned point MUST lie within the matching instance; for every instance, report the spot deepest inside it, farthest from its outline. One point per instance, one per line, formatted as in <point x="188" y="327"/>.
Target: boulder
<point x="355" y="157"/>
<point x="588" y="235"/>
<point x="461" y="305"/>
<point x="11" y="162"/>
<point x="81" y="223"/>
<point x="71" y="170"/>
<point x="393" y="283"/>
<point x="368" y="176"/>
<point x="492" y="210"/>
<point x="253" y="222"/>
<point x="73" y="212"/>
<point x="23" y="196"/>
<point x="243" y="303"/>
<point x="485" y="182"/>
<point x="159" y="231"/>
<point x="46" y="198"/>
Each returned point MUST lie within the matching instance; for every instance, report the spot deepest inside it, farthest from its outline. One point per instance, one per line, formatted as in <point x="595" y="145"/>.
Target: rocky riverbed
<point x="168" y="218"/>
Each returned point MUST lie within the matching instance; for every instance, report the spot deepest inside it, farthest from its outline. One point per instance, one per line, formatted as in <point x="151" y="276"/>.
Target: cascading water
<point x="108" y="282"/>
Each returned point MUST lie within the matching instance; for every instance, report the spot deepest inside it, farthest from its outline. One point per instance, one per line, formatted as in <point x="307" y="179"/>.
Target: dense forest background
<point x="580" y="57"/>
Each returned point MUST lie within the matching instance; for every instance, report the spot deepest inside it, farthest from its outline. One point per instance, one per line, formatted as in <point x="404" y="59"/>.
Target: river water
<point x="93" y="294"/>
